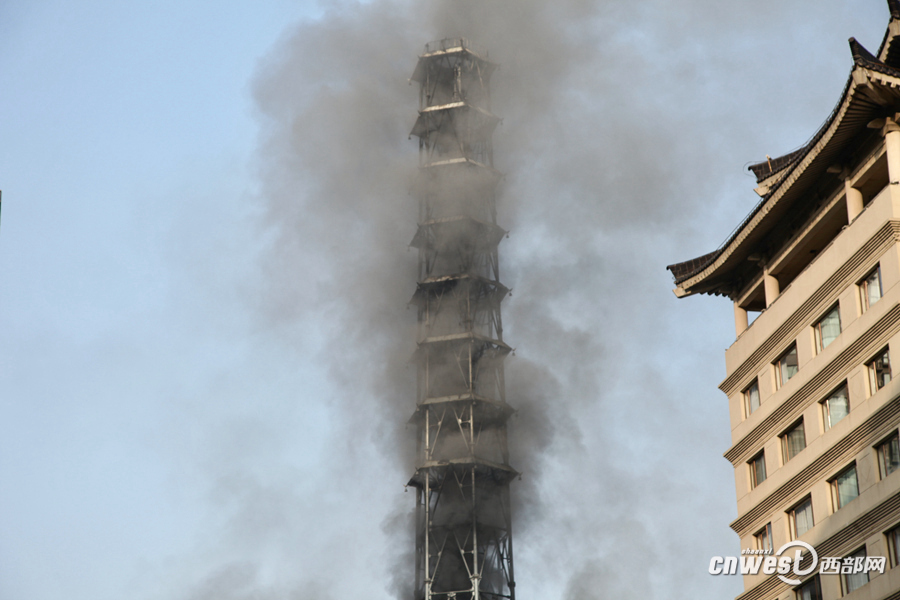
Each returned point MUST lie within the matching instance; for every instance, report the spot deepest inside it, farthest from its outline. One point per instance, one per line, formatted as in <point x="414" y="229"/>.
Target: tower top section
<point x="452" y="71"/>
<point x="453" y="51"/>
<point x="455" y="122"/>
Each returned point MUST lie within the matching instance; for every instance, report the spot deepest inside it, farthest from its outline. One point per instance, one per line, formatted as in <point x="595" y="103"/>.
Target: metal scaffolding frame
<point x="464" y="545"/>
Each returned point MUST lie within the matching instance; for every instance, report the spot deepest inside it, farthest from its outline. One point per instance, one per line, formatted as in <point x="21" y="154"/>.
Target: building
<point x="815" y="411"/>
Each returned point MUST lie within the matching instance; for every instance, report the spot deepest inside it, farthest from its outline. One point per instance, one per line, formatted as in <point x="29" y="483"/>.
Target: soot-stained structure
<point x="463" y="532"/>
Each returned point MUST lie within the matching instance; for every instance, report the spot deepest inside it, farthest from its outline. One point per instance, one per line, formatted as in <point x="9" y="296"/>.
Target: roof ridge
<point x="894" y="7"/>
<point x="887" y="54"/>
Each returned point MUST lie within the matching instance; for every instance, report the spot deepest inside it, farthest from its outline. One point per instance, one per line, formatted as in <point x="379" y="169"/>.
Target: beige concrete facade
<point x="806" y="264"/>
<point x="872" y="241"/>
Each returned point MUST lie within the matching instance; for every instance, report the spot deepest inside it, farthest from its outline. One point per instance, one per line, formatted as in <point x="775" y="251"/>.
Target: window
<point x="880" y="371"/>
<point x="893" y="539"/>
<point x="793" y="441"/>
<point x="757" y="469"/>
<point x="836" y="407"/>
<point x="854" y="581"/>
<point x="888" y="455"/>
<point x="764" y="538"/>
<point x="801" y="518"/>
<point x="786" y="366"/>
<point x="870" y="289"/>
<point x="809" y="590"/>
<point x="844" y="487"/>
<point x="828" y="328"/>
<point x="751" y="398"/>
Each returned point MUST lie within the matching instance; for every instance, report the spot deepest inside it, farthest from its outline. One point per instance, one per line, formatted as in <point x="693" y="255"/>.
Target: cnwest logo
<point x="783" y="564"/>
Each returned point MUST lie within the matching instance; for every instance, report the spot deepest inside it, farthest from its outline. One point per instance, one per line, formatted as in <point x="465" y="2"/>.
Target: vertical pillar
<point x="854" y="200"/>
<point x="741" y="321"/>
<point x="892" y="148"/>
<point x="772" y="287"/>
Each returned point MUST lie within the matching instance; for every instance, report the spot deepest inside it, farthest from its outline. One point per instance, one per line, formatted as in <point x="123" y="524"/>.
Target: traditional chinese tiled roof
<point x="764" y="170"/>
<point x="789" y="176"/>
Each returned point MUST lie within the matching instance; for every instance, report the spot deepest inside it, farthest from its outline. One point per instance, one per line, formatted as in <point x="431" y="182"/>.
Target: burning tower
<point x="463" y="529"/>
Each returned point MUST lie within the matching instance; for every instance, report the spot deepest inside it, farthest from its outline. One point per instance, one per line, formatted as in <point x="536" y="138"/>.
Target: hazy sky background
<point x="203" y="331"/>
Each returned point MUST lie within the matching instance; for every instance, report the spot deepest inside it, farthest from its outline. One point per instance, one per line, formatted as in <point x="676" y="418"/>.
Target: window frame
<point x="763" y="538"/>
<point x="758" y="458"/>
<point x="826" y="408"/>
<point x="864" y="288"/>
<point x="746" y="395"/>
<point x="785" y="444"/>
<point x="873" y="373"/>
<point x="883" y="471"/>
<point x="845" y="577"/>
<point x="817" y="328"/>
<point x="893" y="545"/>
<point x="780" y="368"/>
<point x="834" y="484"/>
<point x="792" y="517"/>
<point x="817" y="589"/>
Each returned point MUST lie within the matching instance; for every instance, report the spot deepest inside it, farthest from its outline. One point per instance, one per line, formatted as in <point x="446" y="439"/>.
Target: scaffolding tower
<point x="464" y="545"/>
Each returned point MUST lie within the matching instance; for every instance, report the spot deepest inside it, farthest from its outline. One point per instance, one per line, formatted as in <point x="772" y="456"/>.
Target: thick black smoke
<point x="625" y="128"/>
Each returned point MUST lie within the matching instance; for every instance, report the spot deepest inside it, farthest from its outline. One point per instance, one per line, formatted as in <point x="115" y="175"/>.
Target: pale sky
<point x="201" y="206"/>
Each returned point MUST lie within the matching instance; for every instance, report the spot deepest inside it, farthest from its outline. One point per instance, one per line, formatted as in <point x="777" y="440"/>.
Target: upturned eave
<point x="871" y="89"/>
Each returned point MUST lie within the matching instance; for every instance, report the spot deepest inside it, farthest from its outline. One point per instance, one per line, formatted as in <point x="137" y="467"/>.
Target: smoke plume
<point x="608" y="109"/>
